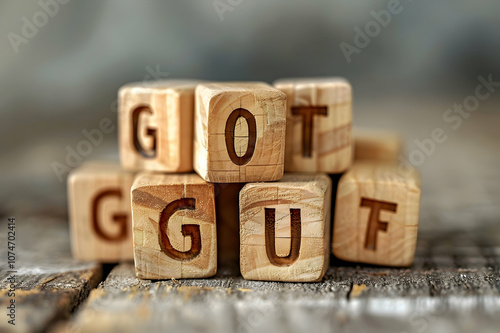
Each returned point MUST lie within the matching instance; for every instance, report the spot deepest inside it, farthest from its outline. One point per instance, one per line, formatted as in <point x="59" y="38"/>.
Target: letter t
<point x="307" y="113"/>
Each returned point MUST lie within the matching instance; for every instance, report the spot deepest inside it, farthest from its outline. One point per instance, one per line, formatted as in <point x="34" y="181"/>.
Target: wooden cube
<point x="319" y="117"/>
<point x="376" y="217"/>
<point x="239" y="132"/>
<point x="99" y="209"/>
<point x="156" y="125"/>
<point x="377" y="145"/>
<point x="284" y="229"/>
<point x="174" y="226"/>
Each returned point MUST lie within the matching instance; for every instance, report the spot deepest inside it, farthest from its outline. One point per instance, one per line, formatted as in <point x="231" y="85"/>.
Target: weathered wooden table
<point x="454" y="284"/>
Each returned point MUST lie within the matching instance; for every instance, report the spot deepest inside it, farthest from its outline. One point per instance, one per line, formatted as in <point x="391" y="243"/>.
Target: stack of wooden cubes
<point x="281" y="143"/>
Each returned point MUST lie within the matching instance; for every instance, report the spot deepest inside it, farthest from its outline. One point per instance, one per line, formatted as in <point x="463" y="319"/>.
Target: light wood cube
<point x="319" y="118"/>
<point x="99" y="208"/>
<point x="239" y="132"/>
<point x="285" y="229"/>
<point x="156" y="125"/>
<point x="174" y="226"/>
<point x="377" y="145"/>
<point x="376" y="217"/>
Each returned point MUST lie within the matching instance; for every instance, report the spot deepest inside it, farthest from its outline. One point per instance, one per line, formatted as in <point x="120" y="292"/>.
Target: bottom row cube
<point x="174" y="226"/>
<point x="376" y="219"/>
<point x="99" y="211"/>
<point x="285" y="229"/>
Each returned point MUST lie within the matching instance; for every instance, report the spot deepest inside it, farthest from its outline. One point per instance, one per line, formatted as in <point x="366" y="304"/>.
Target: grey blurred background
<point x="64" y="78"/>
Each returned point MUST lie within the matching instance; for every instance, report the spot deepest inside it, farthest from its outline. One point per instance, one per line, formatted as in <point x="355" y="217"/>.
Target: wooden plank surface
<point x="49" y="283"/>
<point x="455" y="282"/>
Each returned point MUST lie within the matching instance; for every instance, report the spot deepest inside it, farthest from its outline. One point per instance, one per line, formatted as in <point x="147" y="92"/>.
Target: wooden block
<point x="156" y="125"/>
<point x="377" y="145"/>
<point x="174" y="226"/>
<point x="376" y="219"/>
<point x="99" y="207"/>
<point x="319" y="117"/>
<point x="284" y="229"/>
<point x="239" y="132"/>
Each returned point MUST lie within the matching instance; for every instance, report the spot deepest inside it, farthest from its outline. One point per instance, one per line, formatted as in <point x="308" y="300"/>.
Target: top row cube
<point x="237" y="131"/>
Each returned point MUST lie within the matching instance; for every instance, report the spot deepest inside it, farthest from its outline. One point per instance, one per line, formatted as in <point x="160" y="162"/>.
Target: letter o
<point x="252" y="136"/>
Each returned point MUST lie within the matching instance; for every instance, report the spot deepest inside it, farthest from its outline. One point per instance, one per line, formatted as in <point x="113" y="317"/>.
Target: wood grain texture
<point x="239" y="132"/>
<point x="99" y="208"/>
<point x="377" y="145"/>
<point x="296" y="196"/>
<point x="376" y="216"/>
<point x="162" y="137"/>
<point x="50" y="284"/>
<point x="190" y="232"/>
<point x="454" y="285"/>
<point x="330" y="134"/>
